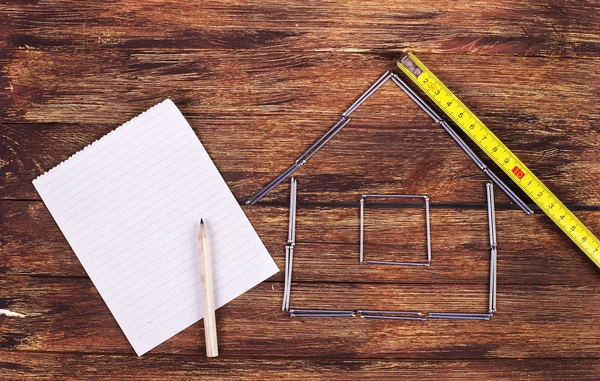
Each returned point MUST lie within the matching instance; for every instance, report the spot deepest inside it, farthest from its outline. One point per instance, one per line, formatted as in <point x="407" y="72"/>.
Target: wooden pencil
<point x="210" y="323"/>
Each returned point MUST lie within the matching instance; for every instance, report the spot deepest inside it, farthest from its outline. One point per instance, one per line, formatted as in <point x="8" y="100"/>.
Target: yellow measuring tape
<point x="502" y="156"/>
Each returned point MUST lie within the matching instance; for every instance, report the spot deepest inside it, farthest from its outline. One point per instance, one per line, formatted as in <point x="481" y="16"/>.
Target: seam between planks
<point x="331" y="282"/>
<point x="335" y="205"/>
<point x="379" y="52"/>
<point x="307" y="358"/>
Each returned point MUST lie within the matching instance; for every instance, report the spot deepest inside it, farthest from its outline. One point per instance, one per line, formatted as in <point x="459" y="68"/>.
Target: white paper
<point x="129" y="204"/>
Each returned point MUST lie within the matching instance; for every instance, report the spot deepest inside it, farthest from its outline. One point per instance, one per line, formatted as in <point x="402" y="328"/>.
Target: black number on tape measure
<point x="506" y="161"/>
<point x="426" y="80"/>
<point x="472" y="126"/>
<point x="460" y="115"/>
<point x="573" y="228"/>
<point x="550" y="206"/>
<point x="540" y="194"/>
<point x="449" y="103"/>
<point x="495" y="149"/>
<point x="561" y="217"/>
<point x="437" y="92"/>
<point x="584" y="239"/>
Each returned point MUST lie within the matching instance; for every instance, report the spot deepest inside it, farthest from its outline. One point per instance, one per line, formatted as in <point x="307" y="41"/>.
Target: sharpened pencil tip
<point x="201" y="221"/>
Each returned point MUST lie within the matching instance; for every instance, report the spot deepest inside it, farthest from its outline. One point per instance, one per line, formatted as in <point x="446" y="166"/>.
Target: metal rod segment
<point x="393" y="317"/>
<point x="493" y="246"/>
<point x="494" y="260"/>
<point x="379" y="312"/>
<point x="362" y="230"/>
<point x="460" y="316"/>
<point x="374" y="87"/>
<point x="428" y="228"/>
<point x="394" y="196"/>
<point x="396" y="263"/>
<point x="321" y="315"/>
<point x="316" y="147"/>
<point x="329" y="132"/>
<point x="457" y="314"/>
<point x="289" y="248"/>
<point x="491" y="296"/>
<point x="289" y="280"/>
<point x="293" y="203"/>
<point x="301" y="160"/>
<point x="286" y="279"/>
<point x="307" y="311"/>
<point x="278" y="180"/>
<point x="291" y="243"/>
<point x="490" y="202"/>
<point x="509" y="192"/>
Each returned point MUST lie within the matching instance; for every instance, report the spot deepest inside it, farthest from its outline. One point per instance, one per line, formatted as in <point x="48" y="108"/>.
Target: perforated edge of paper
<point x="100" y="139"/>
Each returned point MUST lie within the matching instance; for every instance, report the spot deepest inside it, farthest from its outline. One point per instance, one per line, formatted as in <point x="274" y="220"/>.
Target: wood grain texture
<point x="513" y="92"/>
<point x="536" y="253"/>
<point x="68" y="315"/>
<point x="259" y="81"/>
<point x="257" y="115"/>
<point x="42" y="366"/>
<point x="560" y="28"/>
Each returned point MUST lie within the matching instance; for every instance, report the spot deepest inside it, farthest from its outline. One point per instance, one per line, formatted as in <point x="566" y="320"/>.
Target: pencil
<point x="210" y="323"/>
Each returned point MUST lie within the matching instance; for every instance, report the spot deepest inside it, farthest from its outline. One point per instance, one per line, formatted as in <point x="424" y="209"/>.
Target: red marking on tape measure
<point x="517" y="171"/>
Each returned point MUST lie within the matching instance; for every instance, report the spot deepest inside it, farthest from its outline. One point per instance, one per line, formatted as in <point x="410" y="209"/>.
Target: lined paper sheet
<point x="129" y="205"/>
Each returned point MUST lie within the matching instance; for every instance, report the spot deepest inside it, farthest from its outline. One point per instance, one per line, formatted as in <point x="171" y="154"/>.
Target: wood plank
<point x="40" y="366"/>
<point x="368" y="165"/>
<point x="98" y="84"/>
<point x="67" y="315"/>
<point x="531" y="249"/>
<point x="30" y="150"/>
<point x="481" y="27"/>
<point x="255" y="120"/>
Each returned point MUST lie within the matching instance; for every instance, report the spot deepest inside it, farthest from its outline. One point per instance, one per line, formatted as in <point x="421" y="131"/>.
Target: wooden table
<point x="259" y="81"/>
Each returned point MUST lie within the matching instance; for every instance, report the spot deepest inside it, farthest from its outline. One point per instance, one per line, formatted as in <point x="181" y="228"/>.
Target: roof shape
<point x="345" y="119"/>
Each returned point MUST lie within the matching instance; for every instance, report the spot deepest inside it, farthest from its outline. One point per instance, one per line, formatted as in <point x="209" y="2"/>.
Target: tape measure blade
<point x="516" y="170"/>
